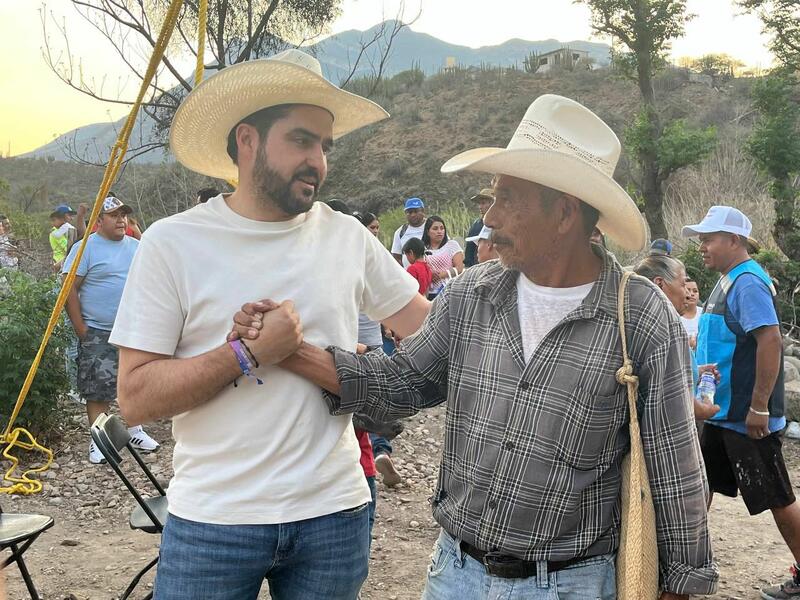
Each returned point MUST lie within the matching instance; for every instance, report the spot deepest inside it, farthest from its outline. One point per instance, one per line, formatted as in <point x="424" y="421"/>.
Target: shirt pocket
<point x="591" y="425"/>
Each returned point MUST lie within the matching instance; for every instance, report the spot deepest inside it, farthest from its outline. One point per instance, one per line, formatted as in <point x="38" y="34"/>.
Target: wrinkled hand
<point x="273" y="331"/>
<point x="83" y="208"/>
<point x="703" y="411"/>
<point x="710" y="368"/>
<point x="248" y="321"/>
<point x="757" y="426"/>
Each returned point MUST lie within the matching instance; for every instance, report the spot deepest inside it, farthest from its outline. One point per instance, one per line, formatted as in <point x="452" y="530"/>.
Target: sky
<point x="35" y="106"/>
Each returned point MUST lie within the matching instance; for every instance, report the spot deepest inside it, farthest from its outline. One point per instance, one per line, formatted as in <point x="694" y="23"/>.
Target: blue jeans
<point x="373" y="491"/>
<point x="380" y="445"/>
<point x="325" y="558"/>
<point x="453" y="575"/>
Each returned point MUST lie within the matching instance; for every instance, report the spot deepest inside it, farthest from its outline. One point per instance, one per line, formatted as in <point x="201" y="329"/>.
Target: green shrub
<point x="786" y="274"/>
<point x="25" y="305"/>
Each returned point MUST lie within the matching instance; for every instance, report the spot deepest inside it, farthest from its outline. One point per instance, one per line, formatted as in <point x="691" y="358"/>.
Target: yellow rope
<point x="202" y="18"/>
<point x="23" y="484"/>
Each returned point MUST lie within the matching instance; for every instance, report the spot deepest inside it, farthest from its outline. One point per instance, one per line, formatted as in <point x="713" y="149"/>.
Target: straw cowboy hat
<point x="199" y="133"/>
<point x="563" y="145"/>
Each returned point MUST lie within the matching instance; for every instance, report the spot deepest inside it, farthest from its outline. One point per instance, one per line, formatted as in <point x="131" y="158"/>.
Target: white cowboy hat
<point x="563" y="145"/>
<point x="199" y="133"/>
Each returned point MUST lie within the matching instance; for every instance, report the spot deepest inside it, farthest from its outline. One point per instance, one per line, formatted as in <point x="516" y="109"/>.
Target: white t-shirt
<point x="542" y="308"/>
<point x="398" y="242"/>
<point x="63" y="230"/>
<point x="692" y="325"/>
<point x="440" y="260"/>
<point x="259" y="454"/>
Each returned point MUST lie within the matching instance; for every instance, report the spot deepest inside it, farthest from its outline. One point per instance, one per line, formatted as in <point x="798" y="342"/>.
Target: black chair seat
<point x="15" y="528"/>
<point x="140" y="520"/>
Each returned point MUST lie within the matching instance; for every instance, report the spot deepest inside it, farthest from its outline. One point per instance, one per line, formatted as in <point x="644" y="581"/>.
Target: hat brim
<point x="620" y="218"/>
<point x="124" y="208"/>
<point x="199" y="134"/>
<point x="473" y="238"/>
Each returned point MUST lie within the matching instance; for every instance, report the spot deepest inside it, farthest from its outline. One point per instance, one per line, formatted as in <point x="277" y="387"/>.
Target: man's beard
<point x="271" y="188"/>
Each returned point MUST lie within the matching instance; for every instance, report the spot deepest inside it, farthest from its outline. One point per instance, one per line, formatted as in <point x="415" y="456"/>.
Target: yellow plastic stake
<point x="24" y="484"/>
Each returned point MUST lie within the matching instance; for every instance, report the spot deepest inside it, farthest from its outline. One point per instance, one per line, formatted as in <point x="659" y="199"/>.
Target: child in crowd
<point x="414" y="251"/>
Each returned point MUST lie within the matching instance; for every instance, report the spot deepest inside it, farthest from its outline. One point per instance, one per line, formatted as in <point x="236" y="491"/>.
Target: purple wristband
<point x="245" y="363"/>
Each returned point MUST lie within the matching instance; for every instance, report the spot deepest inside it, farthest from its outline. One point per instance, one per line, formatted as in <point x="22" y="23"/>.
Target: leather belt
<point x="510" y="567"/>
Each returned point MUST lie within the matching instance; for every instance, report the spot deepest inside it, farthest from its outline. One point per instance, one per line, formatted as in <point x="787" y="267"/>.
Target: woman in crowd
<point x="371" y="222"/>
<point x="445" y="256"/>
<point x="669" y="275"/>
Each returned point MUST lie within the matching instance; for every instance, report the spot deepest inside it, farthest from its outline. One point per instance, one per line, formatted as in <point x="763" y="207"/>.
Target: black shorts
<point x="753" y="467"/>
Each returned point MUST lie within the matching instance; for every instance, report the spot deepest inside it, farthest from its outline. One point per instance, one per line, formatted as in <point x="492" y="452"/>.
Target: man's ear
<point x="569" y="211"/>
<point x="247" y="141"/>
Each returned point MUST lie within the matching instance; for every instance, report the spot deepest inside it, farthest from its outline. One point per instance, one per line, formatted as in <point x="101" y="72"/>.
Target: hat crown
<point x="559" y="124"/>
<point x="299" y="58"/>
<point x="111" y="203"/>
<point x="729" y="218"/>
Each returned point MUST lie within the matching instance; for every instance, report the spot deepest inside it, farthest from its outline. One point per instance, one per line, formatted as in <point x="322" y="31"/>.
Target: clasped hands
<point x="272" y="331"/>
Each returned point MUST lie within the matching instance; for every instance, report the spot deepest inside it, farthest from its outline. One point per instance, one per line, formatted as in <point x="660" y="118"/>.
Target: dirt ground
<point x="91" y="553"/>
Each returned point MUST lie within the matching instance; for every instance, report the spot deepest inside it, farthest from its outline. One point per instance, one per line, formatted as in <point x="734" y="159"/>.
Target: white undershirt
<point x="542" y="308"/>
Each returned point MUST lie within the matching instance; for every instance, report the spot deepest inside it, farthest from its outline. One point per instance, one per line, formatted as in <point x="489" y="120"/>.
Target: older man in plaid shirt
<point x="524" y="352"/>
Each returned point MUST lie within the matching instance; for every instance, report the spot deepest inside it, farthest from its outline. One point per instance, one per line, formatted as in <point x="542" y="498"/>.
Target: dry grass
<point x="727" y="177"/>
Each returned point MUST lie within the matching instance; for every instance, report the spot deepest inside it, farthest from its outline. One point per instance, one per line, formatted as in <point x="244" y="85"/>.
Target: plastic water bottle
<point x="706" y="388"/>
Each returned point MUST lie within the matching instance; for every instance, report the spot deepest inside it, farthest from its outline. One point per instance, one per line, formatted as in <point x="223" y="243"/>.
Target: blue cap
<point x="64" y="209"/>
<point x="661" y="246"/>
<point x="412" y="203"/>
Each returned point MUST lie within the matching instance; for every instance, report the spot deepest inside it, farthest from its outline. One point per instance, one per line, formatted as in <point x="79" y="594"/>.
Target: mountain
<point x="336" y="54"/>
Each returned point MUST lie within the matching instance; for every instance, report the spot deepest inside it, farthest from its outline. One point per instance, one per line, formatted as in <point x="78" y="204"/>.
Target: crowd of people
<point x="517" y="333"/>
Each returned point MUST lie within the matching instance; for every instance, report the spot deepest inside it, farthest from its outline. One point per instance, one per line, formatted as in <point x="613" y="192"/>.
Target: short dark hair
<point x="589" y="213"/>
<point x="262" y="120"/>
<point x="426" y="232"/>
<point x="339" y="206"/>
<point x="207" y="194"/>
<point x="415" y="247"/>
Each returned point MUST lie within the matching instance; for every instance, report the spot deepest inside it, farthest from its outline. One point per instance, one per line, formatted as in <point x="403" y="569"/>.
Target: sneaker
<point x="141" y="441"/>
<point x="385" y="466"/>
<point x="95" y="456"/>
<point x="784" y="591"/>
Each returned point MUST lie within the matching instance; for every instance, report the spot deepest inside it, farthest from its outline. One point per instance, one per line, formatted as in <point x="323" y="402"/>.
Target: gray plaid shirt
<point x="532" y="453"/>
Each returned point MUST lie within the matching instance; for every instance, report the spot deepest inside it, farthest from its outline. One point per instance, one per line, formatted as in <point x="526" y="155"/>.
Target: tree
<point x="775" y="146"/>
<point x="236" y="31"/>
<point x="641" y="32"/>
<point x="781" y="19"/>
<point x="717" y="65"/>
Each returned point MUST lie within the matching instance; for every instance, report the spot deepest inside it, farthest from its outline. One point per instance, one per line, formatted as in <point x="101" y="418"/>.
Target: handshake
<point x="272" y="331"/>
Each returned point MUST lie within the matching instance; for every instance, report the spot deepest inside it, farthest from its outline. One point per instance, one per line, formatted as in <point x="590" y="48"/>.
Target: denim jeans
<point x="325" y="558"/>
<point x="453" y="575"/>
<point x="373" y="491"/>
<point x="380" y="445"/>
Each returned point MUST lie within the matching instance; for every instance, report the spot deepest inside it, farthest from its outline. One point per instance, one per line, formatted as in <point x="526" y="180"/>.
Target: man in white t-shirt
<point x="415" y="215"/>
<point x="267" y="484"/>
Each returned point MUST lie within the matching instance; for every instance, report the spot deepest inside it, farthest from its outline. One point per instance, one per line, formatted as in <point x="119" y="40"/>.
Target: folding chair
<point x="111" y="436"/>
<point x="18" y="532"/>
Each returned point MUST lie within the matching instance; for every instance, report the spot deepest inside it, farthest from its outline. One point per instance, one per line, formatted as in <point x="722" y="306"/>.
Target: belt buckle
<point x="500" y="565"/>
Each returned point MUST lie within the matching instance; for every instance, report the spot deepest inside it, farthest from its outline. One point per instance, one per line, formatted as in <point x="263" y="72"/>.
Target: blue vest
<point x="721" y="340"/>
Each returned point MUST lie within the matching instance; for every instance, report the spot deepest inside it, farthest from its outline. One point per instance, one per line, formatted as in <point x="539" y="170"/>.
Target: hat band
<point x="534" y="133"/>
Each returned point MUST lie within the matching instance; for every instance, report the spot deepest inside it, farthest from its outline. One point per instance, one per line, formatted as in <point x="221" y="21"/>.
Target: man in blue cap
<point x="415" y="215"/>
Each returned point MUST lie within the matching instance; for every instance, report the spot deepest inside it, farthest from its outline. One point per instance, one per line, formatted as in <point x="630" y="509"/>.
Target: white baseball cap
<point x="485" y="234"/>
<point x="721" y="218"/>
